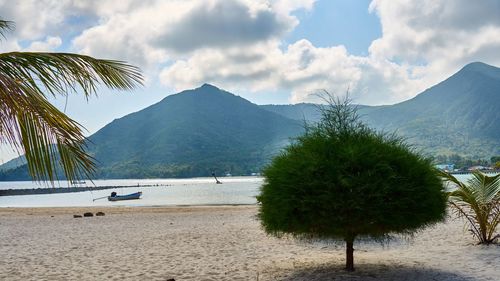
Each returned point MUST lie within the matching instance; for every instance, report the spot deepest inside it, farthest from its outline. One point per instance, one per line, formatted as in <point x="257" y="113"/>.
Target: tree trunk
<point x="349" y="251"/>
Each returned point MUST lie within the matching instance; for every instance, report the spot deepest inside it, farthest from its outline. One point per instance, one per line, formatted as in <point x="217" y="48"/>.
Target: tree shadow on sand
<point x="375" y="272"/>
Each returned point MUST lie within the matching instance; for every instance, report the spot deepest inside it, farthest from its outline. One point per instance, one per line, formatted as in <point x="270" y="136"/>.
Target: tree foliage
<point x="342" y="180"/>
<point x="495" y="162"/>
<point x="478" y="201"/>
<point x="494" y="159"/>
<point x="32" y="125"/>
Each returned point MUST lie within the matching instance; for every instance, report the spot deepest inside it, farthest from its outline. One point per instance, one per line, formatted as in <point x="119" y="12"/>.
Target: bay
<point x="155" y="192"/>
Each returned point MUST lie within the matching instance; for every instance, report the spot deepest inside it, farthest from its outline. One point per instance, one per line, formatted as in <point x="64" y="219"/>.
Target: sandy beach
<point x="217" y="243"/>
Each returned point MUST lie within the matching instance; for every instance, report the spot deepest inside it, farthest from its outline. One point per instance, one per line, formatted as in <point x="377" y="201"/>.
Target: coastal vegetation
<point x="478" y="202"/>
<point x="344" y="181"/>
<point x="50" y="140"/>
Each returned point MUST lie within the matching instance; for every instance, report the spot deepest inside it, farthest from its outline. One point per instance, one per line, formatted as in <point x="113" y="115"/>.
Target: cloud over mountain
<point x="223" y="24"/>
<point x="435" y="37"/>
<point x="240" y="44"/>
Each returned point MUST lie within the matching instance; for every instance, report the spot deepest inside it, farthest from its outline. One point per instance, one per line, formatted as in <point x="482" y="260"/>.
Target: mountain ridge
<point x="457" y="115"/>
<point x="205" y="125"/>
<point x="198" y="131"/>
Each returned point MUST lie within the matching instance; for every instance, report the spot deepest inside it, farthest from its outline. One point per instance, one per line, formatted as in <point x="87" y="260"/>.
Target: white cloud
<point x="9" y="46"/>
<point x="161" y="31"/>
<point x="441" y="35"/>
<point x="288" y="6"/>
<point x="34" y="19"/>
<point x="121" y="37"/>
<point x="423" y="43"/>
<point x="236" y="44"/>
<point x="302" y="69"/>
<point x="49" y="44"/>
<point x="223" y="24"/>
<point x="307" y="69"/>
<point x="251" y="68"/>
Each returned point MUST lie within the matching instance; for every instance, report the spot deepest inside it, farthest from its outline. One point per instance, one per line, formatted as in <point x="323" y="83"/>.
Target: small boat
<point x="78" y="182"/>
<point x="131" y="196"/>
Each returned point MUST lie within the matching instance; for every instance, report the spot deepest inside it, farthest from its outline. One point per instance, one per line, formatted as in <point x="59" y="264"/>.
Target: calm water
<point x="196" y="191"/>
<point x="159" y="192"/>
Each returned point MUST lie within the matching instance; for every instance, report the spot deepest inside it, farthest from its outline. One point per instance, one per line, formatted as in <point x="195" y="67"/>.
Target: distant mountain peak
<point x="207" y="86"/>
<point x="479" y="67"/>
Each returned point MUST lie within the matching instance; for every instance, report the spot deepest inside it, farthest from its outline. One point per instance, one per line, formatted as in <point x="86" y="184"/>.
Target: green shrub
<point x="341" y="180"/>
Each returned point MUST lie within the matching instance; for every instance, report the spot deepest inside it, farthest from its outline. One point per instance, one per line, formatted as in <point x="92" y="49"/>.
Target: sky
<point x="267" y="51"/>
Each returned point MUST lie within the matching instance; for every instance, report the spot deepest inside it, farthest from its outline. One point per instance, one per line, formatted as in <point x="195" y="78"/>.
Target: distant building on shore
<point x="445" y="167"/>
<point x="480" y="168"/>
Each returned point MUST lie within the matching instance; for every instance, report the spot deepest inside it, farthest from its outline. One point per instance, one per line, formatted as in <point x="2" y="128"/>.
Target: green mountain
<point x="459" y="115"/>
<point x="196" y="132"/>
<point x="14" y="163"/>
<point x="192" y="133"/>
<point x="309" y="112"/>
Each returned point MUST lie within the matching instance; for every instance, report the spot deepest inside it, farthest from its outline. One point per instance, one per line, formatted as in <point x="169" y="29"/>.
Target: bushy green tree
<point x="343" y="181"/>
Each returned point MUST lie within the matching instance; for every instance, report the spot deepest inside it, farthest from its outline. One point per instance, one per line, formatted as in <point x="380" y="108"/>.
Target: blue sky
<point x="338" y="22"/>
<point x="267" y="51"/>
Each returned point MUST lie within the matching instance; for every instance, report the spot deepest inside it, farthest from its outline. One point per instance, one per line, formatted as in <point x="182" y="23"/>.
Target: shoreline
<point x="5" y="211"/>
<point x="76" y="188"/>
<point x="56" y="190"/>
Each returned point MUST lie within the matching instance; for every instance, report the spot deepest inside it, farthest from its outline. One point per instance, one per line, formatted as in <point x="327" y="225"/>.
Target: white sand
<point x="217" y="243"/>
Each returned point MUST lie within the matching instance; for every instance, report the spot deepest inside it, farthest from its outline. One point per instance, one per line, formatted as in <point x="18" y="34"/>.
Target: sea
<point x="155" y="192"/>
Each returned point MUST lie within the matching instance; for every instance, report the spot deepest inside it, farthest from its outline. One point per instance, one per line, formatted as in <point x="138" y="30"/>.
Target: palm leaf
<point x="5" y="26"/>
<point x="29" y="123"/>
<point x="478" y="201"/>
<point x="60" y="73"/>
<point x="48" y="137"/>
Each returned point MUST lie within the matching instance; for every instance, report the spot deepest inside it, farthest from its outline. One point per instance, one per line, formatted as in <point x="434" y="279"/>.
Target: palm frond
<point x="50" y="139"/>
<point x="486" y="187"/>
<point x="450" y="178"/>
<point x="5" y="26"/>
<point x="60" y="73"/>
<point x="478" y="201"/>
<point x="47" y="136"/>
